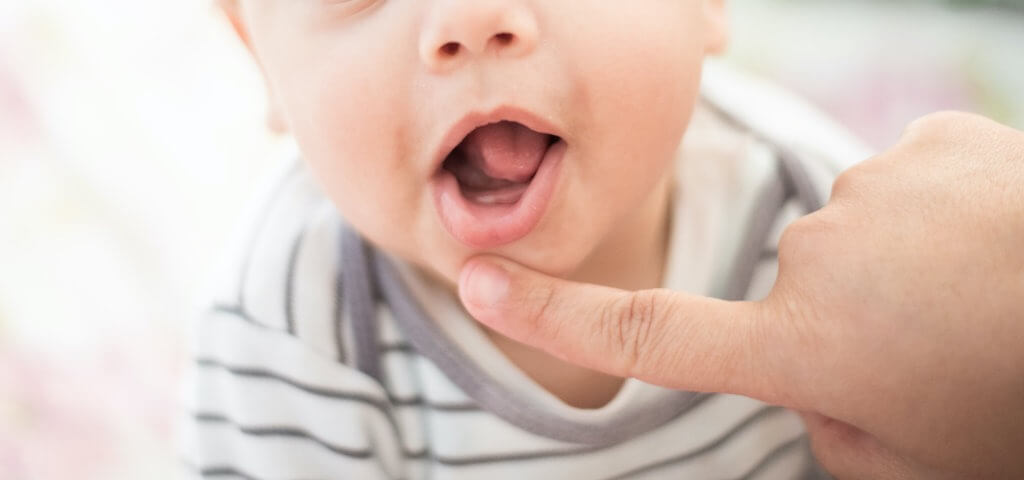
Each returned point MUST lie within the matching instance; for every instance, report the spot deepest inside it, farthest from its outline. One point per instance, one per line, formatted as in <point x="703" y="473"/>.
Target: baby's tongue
<point x="506" y="151"/>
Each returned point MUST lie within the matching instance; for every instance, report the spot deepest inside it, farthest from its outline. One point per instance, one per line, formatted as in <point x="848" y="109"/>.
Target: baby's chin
<point x="549" y="261"/>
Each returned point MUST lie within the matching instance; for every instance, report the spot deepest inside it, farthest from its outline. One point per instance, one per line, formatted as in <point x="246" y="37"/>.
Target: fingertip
<point x="483" y="285"/>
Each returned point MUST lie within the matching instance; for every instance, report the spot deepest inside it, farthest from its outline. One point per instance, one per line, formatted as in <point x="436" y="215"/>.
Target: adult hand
<point x="896" y="324"/>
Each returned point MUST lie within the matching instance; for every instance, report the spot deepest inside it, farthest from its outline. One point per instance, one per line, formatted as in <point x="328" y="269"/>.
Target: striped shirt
<point x="320" y="358"/>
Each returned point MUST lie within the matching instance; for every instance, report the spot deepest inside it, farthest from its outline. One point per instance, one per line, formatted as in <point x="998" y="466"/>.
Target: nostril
<point x="504" y="38"/>
<point x="453" y="49"/>
<point x="450" y="49"/>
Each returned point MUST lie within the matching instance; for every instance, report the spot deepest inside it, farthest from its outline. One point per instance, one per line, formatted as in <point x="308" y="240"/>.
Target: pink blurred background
<point x="130" y="132"/>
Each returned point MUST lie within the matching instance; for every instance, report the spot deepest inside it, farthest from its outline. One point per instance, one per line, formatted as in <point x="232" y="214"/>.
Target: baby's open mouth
<point x="495" y="185"/>
<point x="495" y="163"/>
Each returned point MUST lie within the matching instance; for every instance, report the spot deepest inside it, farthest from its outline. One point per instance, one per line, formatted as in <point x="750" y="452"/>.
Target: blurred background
<point x="131" y="132"/>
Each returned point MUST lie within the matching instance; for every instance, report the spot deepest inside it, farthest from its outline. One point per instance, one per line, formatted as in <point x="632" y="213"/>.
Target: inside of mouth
<point x="495" y="163"/>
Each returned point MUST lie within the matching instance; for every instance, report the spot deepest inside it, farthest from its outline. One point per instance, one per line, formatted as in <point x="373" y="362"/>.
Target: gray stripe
<point x="252" y="372"/>
<point x="237" y="311"/>
<point x="792" y="181"/>
<point x="366" y="453"/>
<point x="496" y="398"/>
<point x="798" y="181"/>
<point x="300" y="433"/>
<point x="283" y="431"/>
<point x="770" y="254"/>
<point x="289" y="285"/>
<point x="403" y="347"/>
<point x="250" y="248"/>
<point x="357" y="288"/>
<point x="419" y="401"/>
<point x="794" y="172"/>
<point x="769" y="206"/>
<point x="385" y="406"/>
<point x="339" y="317"/>
<point x="773" y="456"/>
<point x="224" y="472"/>
<point x="219" y="471"/>
<point x="291" y="276"/>
<point x="511" y="457"/>
<point x="718" y="442"/>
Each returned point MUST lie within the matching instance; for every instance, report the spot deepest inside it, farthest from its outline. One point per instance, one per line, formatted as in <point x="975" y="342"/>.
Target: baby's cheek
<point x="349" y="125"/>
<point x="640" y="89"/>
<point x="382" y="215"/>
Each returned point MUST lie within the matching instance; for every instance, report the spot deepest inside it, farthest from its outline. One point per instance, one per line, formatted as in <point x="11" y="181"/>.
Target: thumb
<point x="668" y="338"/>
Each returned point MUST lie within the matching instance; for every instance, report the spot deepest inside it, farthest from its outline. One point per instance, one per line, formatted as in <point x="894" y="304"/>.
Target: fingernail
<point x="487" y="285"/>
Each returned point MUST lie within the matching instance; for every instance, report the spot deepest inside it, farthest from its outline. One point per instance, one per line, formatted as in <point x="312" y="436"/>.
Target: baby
<point x="550" y="132"/>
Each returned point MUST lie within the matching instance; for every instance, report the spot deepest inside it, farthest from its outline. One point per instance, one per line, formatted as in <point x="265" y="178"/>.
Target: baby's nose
<point x="457" y="30"/>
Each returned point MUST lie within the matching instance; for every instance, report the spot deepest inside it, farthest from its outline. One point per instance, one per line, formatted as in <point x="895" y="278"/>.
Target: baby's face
<point x="532" y="129"/>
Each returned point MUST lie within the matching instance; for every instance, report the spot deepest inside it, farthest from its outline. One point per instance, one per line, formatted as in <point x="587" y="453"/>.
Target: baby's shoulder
<point x="280" y="269"/>
<point x="809" y="143"/>
<point x="783" y="118"/>
<point x="267" y="360"/>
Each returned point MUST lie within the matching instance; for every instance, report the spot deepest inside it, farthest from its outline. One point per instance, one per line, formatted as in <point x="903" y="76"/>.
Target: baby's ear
<point x="233" y="11"/>
<point x="716" y="21"/>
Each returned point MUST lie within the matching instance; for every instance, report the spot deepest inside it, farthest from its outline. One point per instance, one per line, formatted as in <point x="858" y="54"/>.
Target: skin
<point x="896" y="324"/>
<point x="368" y="88"/>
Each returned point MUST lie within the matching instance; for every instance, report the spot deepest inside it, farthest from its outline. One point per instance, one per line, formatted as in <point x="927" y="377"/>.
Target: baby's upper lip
<point x="476" y="119"/>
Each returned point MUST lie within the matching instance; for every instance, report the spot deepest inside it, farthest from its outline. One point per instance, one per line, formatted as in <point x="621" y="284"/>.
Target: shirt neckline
<point x="439" y="328"/>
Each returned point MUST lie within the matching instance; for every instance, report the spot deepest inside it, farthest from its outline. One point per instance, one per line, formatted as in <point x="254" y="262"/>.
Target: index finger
<point x="668" y="338"/>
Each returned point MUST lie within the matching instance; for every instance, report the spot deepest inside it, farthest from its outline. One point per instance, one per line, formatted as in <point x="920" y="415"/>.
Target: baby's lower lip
<point x="483" y="220"/>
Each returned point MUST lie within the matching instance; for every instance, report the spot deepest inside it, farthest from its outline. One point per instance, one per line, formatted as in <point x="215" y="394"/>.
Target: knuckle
<point x="860" y="182"/>
<point x="935" y="126"/>
<point x="629" y="325"/>
<point x="541" y="319"/>
<point x="814" y="240"/>
<point x="800" y="238"/>
<point x="847" y="452"/>
<point x="830" y="448"/>
<point x="845" y="183"/>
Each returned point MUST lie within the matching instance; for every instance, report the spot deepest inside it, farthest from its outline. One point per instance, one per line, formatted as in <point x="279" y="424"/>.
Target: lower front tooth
<point x="487" y="199"/>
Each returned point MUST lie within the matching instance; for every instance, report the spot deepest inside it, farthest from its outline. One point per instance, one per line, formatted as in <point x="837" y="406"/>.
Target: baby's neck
<point x="631" y="258"/>
<point x="633" y="255"/>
